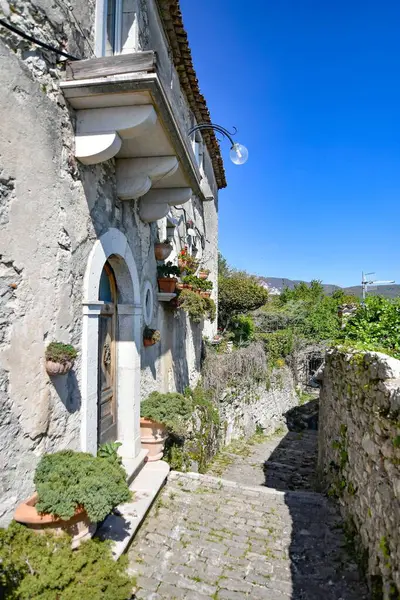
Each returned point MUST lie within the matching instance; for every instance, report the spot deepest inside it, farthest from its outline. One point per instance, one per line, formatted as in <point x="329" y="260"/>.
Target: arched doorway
<point x="111" y="345"/>
<point x="107" y="392"/>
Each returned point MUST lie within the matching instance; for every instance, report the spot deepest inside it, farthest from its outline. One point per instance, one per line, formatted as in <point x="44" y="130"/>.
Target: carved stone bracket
<point x="101" y="131"/>
<point x="157" y="202"/>
<point x="135" y="176"/>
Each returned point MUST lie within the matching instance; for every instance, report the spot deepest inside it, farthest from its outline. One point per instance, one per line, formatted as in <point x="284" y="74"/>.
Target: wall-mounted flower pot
<point x="162" y="250"/>
<point x="180" y="286"/>
<point x="182" y="264"/>
<point x="167" y="284"/>
<point x="56" y="368"/>
<point x="78" y="527"/>
<point x="205" y="294"/>
<point x="153" y="436"/>
<point x="203" y="274"/>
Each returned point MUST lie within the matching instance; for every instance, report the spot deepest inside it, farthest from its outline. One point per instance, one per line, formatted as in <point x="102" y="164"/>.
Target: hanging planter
<point x="151" y="336"/>
<point x="60" y="358"/>
<point x="162" y="250"/>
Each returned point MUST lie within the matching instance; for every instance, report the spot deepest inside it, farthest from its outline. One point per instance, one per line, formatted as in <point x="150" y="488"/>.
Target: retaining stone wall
<point x="359" y="456"/>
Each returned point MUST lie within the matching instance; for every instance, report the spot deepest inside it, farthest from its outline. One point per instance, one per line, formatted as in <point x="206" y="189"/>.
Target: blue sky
<point x="314" y="90"/>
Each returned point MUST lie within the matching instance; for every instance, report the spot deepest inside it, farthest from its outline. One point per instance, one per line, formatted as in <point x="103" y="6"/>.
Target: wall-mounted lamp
<point x="238" y="153"/>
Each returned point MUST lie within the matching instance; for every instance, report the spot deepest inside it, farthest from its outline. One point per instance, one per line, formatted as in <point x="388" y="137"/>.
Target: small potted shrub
<point x="151" y="336"/>
<point x="192" y="282"/>
<point x="167" y="277"/>
<point x="204" y="273"/>
<point x="162" y="414"/>
<point x="162" y="250"/>
<point x="60" y="358"/>
<point x="186" y="262"/>
<point x="74" y="491"/>
<point x="206" y="287"/>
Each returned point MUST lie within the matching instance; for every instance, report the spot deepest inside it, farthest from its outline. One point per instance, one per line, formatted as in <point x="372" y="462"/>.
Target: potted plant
<point x="167" y="277"/>
<point x="151" y="336"/>
<point x="206" y="287"/>
<point x="204" y="273"/>
<point x="74" y="491"/>
<point x="162" y="250"/>
<point x="162" y="414"/>
<point x="182" y="258"/>
<point x="60" y="358"/>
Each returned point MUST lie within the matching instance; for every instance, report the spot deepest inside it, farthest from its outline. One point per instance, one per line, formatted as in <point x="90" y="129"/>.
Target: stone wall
<point x="359" y="456"/>
<point x="262" y="404"/>
<point x="52" y="211"/>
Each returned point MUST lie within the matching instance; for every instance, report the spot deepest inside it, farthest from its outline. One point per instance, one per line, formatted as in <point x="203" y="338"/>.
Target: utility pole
<point x="366" y="281"/>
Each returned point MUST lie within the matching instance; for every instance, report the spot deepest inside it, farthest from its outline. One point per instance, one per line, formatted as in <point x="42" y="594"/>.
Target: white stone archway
<point x="114" y="248"/>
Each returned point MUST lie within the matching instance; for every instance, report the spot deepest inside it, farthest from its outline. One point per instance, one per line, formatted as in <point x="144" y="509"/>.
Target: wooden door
<point x="107" y="401"/>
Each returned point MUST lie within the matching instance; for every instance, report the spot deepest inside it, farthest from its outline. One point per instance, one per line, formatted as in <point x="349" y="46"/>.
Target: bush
<point x="44" y="567"/>
<point x="172" y="410"/>
<point x="242" y="328"/>
<point x="278" y="345"/>
<point x="67" y="479"/>
<point x="375" y="326"/>
<point x="60" y="353"/>
<point x="238" y="293"/>
<point x="196" y="307"/>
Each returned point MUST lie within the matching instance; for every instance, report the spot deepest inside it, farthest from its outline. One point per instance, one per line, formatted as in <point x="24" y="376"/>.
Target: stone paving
<point x="209" y="538"/>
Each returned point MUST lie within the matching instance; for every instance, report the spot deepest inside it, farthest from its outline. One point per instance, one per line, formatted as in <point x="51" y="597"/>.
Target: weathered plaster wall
<point x="52" y="210"/>
<point x="359" y="455"/>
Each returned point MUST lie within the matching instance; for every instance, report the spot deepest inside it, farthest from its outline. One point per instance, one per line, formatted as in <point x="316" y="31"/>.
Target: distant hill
<point x="276" y="285"/>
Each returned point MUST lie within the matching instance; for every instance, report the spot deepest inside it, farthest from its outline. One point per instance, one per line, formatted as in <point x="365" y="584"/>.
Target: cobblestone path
<point x="233" y="537"/>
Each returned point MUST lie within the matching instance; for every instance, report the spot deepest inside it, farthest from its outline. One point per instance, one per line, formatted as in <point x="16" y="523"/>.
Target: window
<point x="116" y="27"/>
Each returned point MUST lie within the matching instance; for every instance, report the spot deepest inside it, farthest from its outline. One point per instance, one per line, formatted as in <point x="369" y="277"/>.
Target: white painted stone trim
<point x="101" y="131"/>
<point x="112" y="244"/>
<point x="135" y="176"/>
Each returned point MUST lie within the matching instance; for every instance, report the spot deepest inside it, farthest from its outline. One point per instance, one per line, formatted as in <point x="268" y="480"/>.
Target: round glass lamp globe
<point x="239" y="154"/>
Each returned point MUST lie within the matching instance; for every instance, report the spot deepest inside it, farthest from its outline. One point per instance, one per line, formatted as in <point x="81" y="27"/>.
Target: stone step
<point x="120" y="528"/>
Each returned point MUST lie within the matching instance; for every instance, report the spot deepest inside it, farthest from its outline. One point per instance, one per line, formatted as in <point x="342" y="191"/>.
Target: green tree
<point x="239" y="293"/>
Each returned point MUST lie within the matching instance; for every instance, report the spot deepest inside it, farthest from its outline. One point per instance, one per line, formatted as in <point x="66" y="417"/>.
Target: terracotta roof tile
<point x="171" y="16"/>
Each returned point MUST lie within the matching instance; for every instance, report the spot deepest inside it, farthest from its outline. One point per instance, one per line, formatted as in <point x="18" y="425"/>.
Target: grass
<point x="241" y="447"/>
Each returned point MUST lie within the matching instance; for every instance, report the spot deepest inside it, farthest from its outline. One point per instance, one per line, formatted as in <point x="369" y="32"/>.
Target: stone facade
<point x="359" y="456"/>
<point x="55" y="214"/>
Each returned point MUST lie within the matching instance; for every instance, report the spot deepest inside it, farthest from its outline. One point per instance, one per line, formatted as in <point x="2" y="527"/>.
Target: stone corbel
<point x="100" y="131"/>
<point x="156" y="203"/>
<point x="135" y="176"/>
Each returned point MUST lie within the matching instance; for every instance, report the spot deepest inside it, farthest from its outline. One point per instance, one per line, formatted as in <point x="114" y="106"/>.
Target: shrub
<point x="196" y="307"/>
<point x="239" y="293"/>
<point x="242" y="327"/>
<point x="109" y="450"/>
<point x="67" y="479"/>
<point x="172" y="410"/>
<point x="278" y="344"/>
<point x="60" y="353"/>
<point x="245" y="367"/>
<point x="375" y="326"/>
<point x="44" y="567"/>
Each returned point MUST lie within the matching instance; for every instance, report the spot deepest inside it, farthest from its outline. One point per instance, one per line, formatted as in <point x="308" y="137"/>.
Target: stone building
<point x="96" y="165"/>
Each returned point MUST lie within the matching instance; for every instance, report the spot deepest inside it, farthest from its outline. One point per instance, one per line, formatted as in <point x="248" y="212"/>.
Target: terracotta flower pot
<point x="205" y="294"/>
<point x="203" y="274"/>
<point x="182" y="264"/>
<point x="148" y="342"/>
<point x="167" y="284"/>
<point x="78" y="527"/>
<point x="55" y="368"/>
<point x="180" y="286"/>
<point x="162" y="251"/>
<point x="153" y="436"/>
